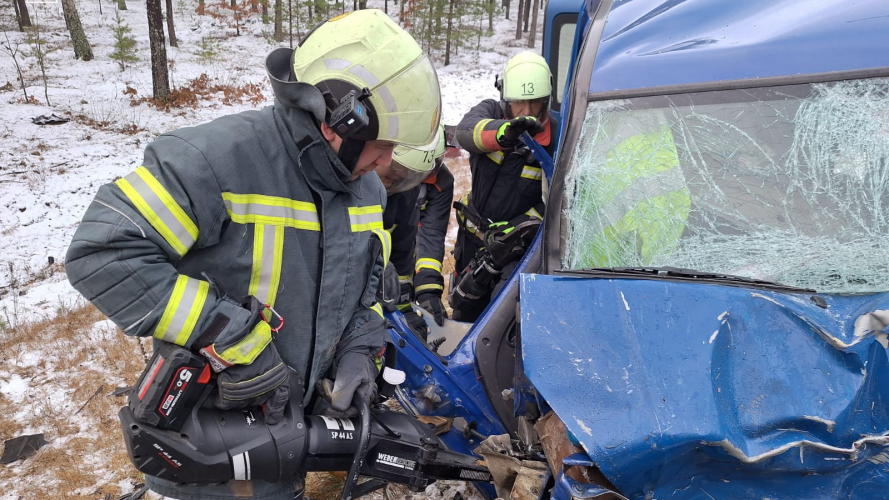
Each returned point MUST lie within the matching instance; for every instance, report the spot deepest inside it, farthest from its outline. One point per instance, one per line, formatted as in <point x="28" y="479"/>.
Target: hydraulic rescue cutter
<point x="172" y="431"/>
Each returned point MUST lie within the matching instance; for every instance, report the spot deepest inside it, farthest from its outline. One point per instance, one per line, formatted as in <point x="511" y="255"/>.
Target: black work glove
<point x="356" y="375"/>
<point x="389" y="294"/>
<point x="240" y="349"/>
<point x="355" y="370"/>
<point x="432" y="303"/>
<point x="417" y="323"/>
<point x="508" y="134"/>
<point x="265" y="382"/>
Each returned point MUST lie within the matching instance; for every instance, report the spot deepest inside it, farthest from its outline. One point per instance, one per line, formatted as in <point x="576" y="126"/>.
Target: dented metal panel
<point x="688" y="391"/>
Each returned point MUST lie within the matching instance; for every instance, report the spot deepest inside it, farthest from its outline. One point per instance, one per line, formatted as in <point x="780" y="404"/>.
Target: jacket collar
<point x="300" y="107"/>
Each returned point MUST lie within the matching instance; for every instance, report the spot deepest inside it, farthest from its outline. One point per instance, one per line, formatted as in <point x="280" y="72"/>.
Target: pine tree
<point x="124" y="44"/>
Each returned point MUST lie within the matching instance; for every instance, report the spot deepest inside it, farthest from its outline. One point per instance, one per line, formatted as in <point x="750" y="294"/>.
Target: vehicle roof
<point x="653" y="43"/>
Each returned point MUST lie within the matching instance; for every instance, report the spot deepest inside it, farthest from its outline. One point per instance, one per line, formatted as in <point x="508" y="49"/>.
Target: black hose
<point x="361" y="452"/>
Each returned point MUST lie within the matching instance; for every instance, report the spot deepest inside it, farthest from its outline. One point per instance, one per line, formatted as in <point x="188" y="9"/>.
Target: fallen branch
<point x="90" y="398"/>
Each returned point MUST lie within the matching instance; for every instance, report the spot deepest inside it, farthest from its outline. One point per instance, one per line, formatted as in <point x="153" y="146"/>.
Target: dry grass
<point x="71" y="365"/>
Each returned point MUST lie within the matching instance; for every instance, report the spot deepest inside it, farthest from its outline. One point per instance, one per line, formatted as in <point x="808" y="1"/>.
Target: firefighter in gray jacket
<point x="420" y="190"/>
<point x="273" y="206"/>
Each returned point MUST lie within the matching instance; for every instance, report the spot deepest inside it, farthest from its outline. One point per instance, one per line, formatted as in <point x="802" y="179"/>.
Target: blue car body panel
<point x="683" y="390"/>
<point x="655" y="43"/>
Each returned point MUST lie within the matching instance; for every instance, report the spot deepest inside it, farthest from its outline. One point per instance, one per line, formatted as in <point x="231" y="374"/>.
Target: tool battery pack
<point x="170" y="386"/>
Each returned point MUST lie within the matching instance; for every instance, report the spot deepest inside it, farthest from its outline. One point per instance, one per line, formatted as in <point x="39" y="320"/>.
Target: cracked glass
<point x="787" y="184"/>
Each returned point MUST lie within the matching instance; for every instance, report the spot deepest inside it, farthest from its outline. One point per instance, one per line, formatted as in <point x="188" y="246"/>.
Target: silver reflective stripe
<point x="337" y="64"/>
<point x="644" y="188"/>
<point x="258" y="209"/>
<point x="366" y="218"/>
<point x="387" y="98"/>
<point x="393" y="127"/>
<point x="161" y="211"/>
<point x="268" y="243"/>
<point x="183" y="308"/>
<point x="365" y="74"/>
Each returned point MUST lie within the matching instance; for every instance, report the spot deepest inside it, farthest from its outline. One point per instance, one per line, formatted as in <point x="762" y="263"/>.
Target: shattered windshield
<point x="787" y="184"/>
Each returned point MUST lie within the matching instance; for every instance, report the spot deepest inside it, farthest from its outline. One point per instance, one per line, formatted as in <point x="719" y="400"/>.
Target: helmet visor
<point x="408" y="105"/>
<point x="397" y="178"/>
<point x="538" y="108"/>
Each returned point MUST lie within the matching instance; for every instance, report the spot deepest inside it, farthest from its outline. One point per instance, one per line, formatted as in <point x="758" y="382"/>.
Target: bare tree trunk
<point x="21" y="14"/>
<point x="82" y="49"/>
<point x="491" y="16"/>
<point x="362" y="4"/>
<point x="526" y="15"/>
<point x="518" y="19"/>
<point x="233" y="3"/>
<point x="290" y="20"/>
<point x="201" y="7"/>
<point x="160" y="78"/>
<point x="401" y="14"/>
<point x="171" y="30"/>
<point x="265" y="11"/>
<point x="121" y="4"/>
<point x="100" y="7"/>
<point x="448" y="35"/>
<point x="507" y="9"/>
<point x="533" y="34"/>
<point x="386" y="6"/>
<point x="279" y="15"/>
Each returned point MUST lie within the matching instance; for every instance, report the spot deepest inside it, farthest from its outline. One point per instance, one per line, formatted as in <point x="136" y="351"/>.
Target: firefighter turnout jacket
<point x="259" y="202"/>
<point x="507" y="184"/>
<point x="418" y="222"/>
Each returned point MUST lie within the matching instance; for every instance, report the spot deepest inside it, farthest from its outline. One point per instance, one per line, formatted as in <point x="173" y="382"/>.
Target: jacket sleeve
<point x="433" y="230"/>
<point x="477" y="131"/>
<point x="137" y="228"/>
<point x="366" y="329"/>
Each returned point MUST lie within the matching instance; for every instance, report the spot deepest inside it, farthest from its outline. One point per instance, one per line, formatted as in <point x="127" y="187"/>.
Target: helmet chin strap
<point x="349" y="151"/>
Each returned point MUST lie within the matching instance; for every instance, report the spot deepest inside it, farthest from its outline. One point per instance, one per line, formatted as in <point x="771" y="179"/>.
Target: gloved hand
<point x="432" y="303"/>
<point x="417" y="323"/>
<point x="355" y="366"/>
<point x="389" y="294"/>
<point x="508" y="134"/>
<point x="356" y="375"/>
<point x="250" y="370"/>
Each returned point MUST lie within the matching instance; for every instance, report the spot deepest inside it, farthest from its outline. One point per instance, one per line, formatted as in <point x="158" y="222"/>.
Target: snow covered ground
<point x="49" y="173"/>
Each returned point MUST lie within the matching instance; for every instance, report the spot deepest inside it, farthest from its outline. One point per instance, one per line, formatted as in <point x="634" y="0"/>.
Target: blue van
<point x="704" y="311"/>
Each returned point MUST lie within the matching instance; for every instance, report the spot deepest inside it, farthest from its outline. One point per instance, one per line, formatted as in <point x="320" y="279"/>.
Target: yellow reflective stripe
<point x="183" y="310"/>
<point x="427" y="263"/>
<point x="271" y="210"/>
<point x="366" y="218"/>
<point x="386" y="240"/>
<point x="405" y="279"/>
<point x="496" y="156"/>
<point x="404" y="307"/>
<point x="431" y="286"/>
<point x="533" y="173"/>
<point x="477" y="134"/>
<point x="159" y="209"/>
<point x="534" y="213"/>
<point x="248" y="348"/>
<point x="378" y="308"/>
<point x="268" y="247"/>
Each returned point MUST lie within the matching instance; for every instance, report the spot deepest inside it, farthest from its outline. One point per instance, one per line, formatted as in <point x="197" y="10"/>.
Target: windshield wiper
<point x="679" y="274"/>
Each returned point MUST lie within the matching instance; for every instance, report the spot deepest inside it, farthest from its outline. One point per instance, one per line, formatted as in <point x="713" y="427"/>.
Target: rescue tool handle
<point x="361" y="452"/>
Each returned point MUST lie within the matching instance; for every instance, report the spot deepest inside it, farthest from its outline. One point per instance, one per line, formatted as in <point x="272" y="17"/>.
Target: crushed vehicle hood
<point x="697" y="391"/>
